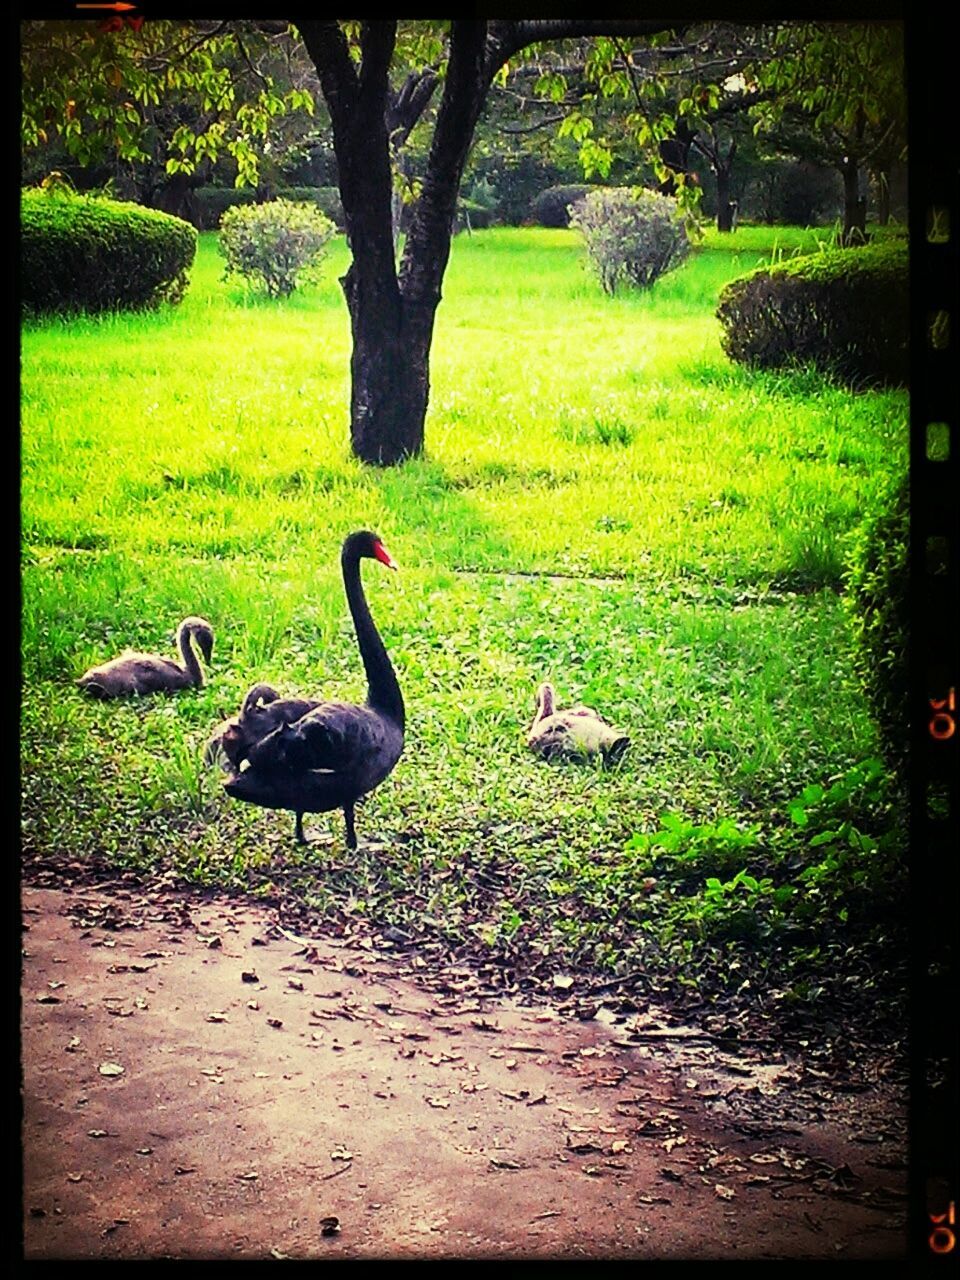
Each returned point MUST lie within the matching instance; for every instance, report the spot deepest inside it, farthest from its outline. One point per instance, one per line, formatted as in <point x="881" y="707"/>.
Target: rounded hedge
<point x="846" y="311"/>
<point x="85" y="253"/>
<point x="877" y="584"/>
<point x="551" y="208"/>
<point x="209" y="204"/>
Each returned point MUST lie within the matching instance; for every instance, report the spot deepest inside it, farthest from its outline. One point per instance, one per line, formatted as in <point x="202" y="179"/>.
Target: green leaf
<point x="823" y="838"/>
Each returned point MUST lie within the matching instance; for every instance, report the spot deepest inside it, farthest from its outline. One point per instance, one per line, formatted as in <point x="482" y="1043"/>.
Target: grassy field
<point x="605" y="501"/>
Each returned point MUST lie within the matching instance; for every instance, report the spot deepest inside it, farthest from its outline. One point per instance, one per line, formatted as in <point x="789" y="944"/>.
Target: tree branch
<point x="505" y="37"/>
<point x="409" y="104"/>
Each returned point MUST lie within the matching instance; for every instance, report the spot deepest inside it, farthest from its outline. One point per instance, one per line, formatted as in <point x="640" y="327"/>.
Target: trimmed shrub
<point x="275" y="245"/>
<point x="551" y="208"/>
<point x="631" y="235"/>
<point x="877" y="583"/>
<point x="86" y="253"/>
<point x="211" y="203"/>
<point x="846" y="311"/>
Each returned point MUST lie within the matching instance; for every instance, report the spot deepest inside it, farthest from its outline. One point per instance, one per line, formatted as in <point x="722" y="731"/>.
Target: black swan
<point x="575" y="734"/>
<point x="140" y="673"/>
<point x="335" y="752"/>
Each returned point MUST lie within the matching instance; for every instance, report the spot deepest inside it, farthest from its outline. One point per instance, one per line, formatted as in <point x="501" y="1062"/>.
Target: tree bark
<point x="854" y="205"/>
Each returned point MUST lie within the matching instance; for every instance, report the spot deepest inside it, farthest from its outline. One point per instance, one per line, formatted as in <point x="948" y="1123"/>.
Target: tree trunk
<point x="854" y="205"/>
<point x="726" y="215"/>
<point x="391" y="313"/>
<point x="175" y="195"/>
<point x="389" y="374"/>
<point x="883" y="197"/>
<point x="726" y="208"/>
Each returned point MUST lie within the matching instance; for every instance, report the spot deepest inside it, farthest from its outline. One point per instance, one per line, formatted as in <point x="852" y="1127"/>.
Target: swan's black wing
<point x="338" y="737"/>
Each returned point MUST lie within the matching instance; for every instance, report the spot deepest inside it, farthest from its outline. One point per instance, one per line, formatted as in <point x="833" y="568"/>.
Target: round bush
<point x="877" y="580"/>
<point x="551" y="208"/>
<point x="211" y="203"/>
<point x="274" y="245"/>
<point x="846" y="311"/>
<point x="631" y="235"/>
<point x="85" y="253"/>
<point x="327" y="200"/>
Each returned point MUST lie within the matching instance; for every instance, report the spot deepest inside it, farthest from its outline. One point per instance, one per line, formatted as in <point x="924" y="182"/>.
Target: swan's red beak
<point x="384" y="556"/>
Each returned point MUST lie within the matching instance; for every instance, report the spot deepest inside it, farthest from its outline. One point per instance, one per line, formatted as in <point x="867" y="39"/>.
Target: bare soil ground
<point x="201" y="1082"/>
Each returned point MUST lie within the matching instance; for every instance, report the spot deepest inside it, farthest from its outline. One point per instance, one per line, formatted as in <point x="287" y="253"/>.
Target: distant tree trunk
<point x="883" y="196"/>
<point x="854" y="205"/>
<point x="727" y="215"/>
<point x="175" y="195"/>
<point x="723" y="170"/>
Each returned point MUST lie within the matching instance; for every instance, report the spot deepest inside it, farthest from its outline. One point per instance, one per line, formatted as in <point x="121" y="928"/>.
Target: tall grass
<point x="605" y="500"/>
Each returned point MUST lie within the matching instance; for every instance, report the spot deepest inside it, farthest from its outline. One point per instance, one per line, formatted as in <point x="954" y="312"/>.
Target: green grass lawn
<point x="605" y="501"/>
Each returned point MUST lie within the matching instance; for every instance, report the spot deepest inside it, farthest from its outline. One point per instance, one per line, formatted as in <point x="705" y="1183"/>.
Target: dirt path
<point x="200" y="1084"/>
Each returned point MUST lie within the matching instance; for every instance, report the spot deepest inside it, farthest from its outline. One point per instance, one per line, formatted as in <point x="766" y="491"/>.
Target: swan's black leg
<point x="351" y="830"/>
<point x="301" y="838"/>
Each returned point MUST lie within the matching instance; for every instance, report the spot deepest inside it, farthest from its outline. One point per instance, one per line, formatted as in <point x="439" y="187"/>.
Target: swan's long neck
<point x="383" y="691"/>
<point x="190" y="660"/>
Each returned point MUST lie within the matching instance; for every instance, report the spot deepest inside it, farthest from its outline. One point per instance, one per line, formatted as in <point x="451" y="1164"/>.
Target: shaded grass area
<point x="606" y="502"/>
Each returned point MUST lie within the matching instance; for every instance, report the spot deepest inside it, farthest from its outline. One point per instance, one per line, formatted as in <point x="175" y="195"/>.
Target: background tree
<point x="838" y="96"/>
<point x="151" y="104"/>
